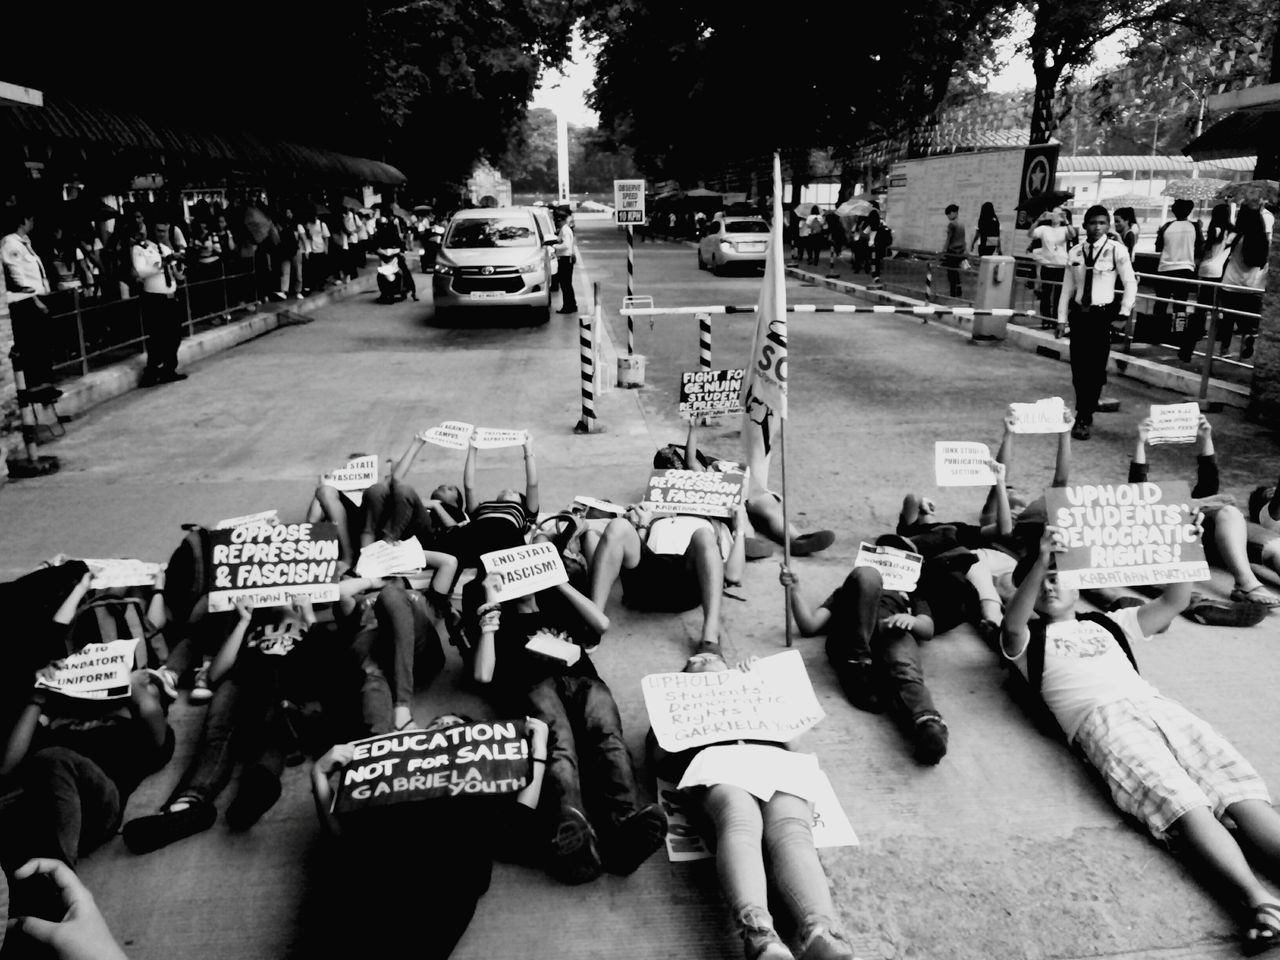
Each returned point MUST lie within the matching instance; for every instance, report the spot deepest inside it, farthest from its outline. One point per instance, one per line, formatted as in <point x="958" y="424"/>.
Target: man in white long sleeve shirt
<point x="1088" y="305"/>
<point x="153" y="264"/>
<point x="25" y="282"/>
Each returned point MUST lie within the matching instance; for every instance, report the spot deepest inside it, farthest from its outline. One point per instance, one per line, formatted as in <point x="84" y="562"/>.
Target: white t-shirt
<point x="1264" y="518"/>
<point x="671" y="535"/>
<point x="1084" y="668"/>
<point x="1054" y="244"/>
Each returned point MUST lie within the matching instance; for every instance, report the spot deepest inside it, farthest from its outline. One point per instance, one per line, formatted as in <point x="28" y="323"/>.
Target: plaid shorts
<point x="1160" y="760"/>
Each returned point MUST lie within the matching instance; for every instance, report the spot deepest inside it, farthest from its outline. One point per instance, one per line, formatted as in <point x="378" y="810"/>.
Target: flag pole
<point x="780" y="305"/>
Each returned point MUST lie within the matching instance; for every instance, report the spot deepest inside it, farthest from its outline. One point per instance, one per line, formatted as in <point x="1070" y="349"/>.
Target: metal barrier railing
<point x="83" y="330"/>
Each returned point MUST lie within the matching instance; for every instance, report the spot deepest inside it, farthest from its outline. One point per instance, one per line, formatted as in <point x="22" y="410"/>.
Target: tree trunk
<point x="1264" y="391"/>
<point x="849" y="176"/>
<point x="1043" y="121"/>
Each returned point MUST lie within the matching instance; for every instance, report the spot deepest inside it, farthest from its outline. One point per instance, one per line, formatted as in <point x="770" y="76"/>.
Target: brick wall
<point x="1264" y="400"/>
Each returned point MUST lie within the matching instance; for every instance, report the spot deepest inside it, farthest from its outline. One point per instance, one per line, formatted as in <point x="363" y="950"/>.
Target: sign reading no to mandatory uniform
<point x="628" y="201"/>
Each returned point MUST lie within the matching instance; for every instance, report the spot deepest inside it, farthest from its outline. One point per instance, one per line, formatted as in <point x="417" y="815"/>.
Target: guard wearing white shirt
<point x="153" y="264"/>
<point x="1089" y="303"/>
<point x="25" y="283"/>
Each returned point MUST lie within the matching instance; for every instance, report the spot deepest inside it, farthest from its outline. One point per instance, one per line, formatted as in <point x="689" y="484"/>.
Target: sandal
<point x="1263" y="932"/>
<point x="1259" y="595"/>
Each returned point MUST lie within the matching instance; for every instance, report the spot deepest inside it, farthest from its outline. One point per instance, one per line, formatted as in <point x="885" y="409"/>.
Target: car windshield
<point x="746" y="226"/>
<point x="488" y="232"/>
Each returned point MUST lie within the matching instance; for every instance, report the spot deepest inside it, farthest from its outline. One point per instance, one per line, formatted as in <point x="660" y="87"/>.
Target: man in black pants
<point x="1087" y="307"/>
<point x="566" y="251"/>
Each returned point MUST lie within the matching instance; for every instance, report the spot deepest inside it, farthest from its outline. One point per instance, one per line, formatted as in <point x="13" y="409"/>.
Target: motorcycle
<point x="394" y="280"/>
<point x="431" y="247"/>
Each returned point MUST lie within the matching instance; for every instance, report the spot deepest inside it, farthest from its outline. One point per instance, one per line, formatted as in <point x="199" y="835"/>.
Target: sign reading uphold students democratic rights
<point x="710" y="393"/>
<point x="476" y="759"/>
<point x="1126" y="534"/>
<point x="695" y="492"/>
<point x="772" y="701"/>
<point x="270" y="564"/>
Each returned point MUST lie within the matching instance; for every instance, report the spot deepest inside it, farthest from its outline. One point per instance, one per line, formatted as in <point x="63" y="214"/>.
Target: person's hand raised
<point x="1144" y="430"/>
<point x="82" y="934"/>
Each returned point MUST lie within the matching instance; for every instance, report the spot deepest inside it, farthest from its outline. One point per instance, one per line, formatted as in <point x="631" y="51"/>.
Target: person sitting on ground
<point x="264" y="666"/>
<point x="79" y="761"/>
<point x="1163" y="765"/>
<point x="745" y="829"/>
<point x="456" y="839"/>
<point x="501" y="523"/>
<point x="873" y="644"/>
<point x="591" y="812"/>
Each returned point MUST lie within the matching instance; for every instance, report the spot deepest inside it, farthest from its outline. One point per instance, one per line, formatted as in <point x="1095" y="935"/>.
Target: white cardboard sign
<point x="774" y="700"/>
<point x="487" y="438"/>
<point x="269" y="517"/>
<point x="962" y="464"/>
<point x="524" y="570"/>
<point x="899" y="570"/>
<point x="1174" y="422"/>
<point x="353" y="479"/>
<point x="453" y="434"/>
<point x="122" y="573"/>
<point x="380" y="559"/>
<point x="1044" y="416"/>
<point x="100" y="671"/>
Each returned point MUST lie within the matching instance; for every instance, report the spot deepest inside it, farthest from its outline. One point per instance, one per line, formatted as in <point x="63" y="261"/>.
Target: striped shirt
<point x="508" y="511"/>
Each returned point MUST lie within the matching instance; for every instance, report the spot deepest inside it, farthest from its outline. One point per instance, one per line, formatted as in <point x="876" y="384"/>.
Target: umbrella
<point x="1250" y="191"/>
<point x="854" y="208"/>
<point x="422" y="208"/>
<point x="701" y="192"/>
<point x="1201" y="188"/>
<point x="805" y="210"/>
<point x="1045" y="201"/>
<point x="350" y="203"/>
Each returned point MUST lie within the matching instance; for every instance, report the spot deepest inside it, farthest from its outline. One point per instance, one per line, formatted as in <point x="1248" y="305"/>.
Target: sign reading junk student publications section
<point x="1127" y="534"/>
<point x="696" y="492"/>
<point x="772" y="701"/>
<point x="628" y="201"/>
<point x="269" y="564"/>
<point x="476" y="759"/>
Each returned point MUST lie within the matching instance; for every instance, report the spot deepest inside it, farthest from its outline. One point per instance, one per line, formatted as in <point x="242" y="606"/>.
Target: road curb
<point x="1045" y="344"/>
<point x="82" y="395"/>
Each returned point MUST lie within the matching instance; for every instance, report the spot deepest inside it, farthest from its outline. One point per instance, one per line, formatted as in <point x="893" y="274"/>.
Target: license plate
<point x="751" y="247"/>
<point x="487" y="295"/>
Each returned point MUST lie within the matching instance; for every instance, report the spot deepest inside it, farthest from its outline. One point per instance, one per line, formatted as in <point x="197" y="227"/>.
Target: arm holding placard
<point x="486" y="657"/>
<point x="1207" y="480"/>
<point x="691" y="461"/>
<point x="1062" y="462"/>
<point x="1014" y="634"/>
<point x="1003" y="455"/>
<point x="1003" y="525"/>
<point x="1154" y="616"/>
<point x="226" y="656"/>
<point x="737" y="559"/>
<point x="1138" y="465"/>
<point x="403" y="465"/>
<point x="531" y="502"/>
<point x="811" y="621"/>
<point x="469" y="500"/>
<point x="337" y="757"/>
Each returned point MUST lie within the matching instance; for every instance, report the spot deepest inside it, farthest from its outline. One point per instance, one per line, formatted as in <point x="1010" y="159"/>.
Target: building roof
<point x="1234" y="162"/>
<point x="68" y="121"/>
<point x="1244" y="130"/>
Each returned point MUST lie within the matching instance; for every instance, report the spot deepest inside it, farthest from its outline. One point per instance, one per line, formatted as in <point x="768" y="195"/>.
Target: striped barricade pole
<point x="586" y="349"/>
<point x="704" y="340"/>
<point x="631" y="275"/>
<point x="925" y="311"/>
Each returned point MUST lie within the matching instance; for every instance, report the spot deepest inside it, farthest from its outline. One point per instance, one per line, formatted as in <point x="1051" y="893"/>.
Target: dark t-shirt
<point x="517" y="669"/>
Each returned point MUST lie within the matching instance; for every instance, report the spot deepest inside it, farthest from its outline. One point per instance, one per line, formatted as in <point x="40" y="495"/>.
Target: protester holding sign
<point x="453" y="840"/>
<point x="873" y="638"/>
<point x="594" y="818"/>
<point x="1163" y="765"/>
<point x="773" y="814"/>
<point x="501" y="523"/>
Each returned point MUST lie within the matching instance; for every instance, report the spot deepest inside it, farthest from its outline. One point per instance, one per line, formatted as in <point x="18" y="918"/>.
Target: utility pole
<point x="562" y="158"/>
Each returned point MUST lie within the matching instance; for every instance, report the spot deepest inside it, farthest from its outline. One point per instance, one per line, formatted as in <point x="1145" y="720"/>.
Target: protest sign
<point x="268" y="565"/>
<point x="772" y="701"/>
<point x="592" y="505"/>
<point x="353" y="479"/>
<point x="268" y="517"/>
<point x="696" y="492"/>
<point x="121" y="573"/>
<point x="899" y="570"/>
<point x="487" y="438"/>
<point x="962" y="464"/>
<point x="710" y="393"/>
<point x="475" y="759"/>
<point x="453" y="434"/>
<point x="524" y="570"/>
<point x="1126" y="534"/>
<point x="1044" y="416"/>
<point x="1174" y="422"/>
<point x="382" y="559"/>
<point x="99" y="671"/>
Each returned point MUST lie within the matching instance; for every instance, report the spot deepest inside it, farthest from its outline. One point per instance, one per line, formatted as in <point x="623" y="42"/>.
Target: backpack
<point x="672" y="457"/>
<point x="115" y="615"/>
<point x="188" y="576"/>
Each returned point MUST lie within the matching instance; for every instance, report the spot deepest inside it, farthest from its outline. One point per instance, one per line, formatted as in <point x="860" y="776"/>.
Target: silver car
<point x="733" y="241"/>
<point x="498" y="256"/>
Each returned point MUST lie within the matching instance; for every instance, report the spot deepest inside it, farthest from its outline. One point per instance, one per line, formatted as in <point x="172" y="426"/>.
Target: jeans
<point x="785" y="823"/>
<point x="952" y="262"/>
<point x="587" y="758"/>
<point x="162" y="325"/>
<point x="1173" y="291"/>
<point x="854" y="633"/>
<point x="72" y="805"/>
<point x="403" y="646"/>
<point x="32" y="336"/>
<point x="569" y="300"/>
<point x="1050" y="290"/>
<point x="1090" y="348"/>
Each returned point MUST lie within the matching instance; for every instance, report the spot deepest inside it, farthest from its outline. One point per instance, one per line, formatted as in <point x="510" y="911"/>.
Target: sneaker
<point x="857" y="680"/>
<point x="200" y="692"/>
<point x="635" y="839"/>
<point x="151" y="833"/>
<point x="575" y="857"/>
<point x="759" y="940"/>
<point x="166" y="681"/>
<point x="809" y="543"/>
<point x="820" y="941"/>
<point x="930" y="737"/>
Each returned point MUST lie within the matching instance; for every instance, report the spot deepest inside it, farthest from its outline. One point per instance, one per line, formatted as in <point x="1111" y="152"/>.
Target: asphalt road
<point x="1007" y="849"/>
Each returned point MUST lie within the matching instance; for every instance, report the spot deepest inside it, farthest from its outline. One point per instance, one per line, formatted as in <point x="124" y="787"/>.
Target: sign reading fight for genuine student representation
<point x="1126" y="534"/>
<point x="521" y="571"/>
<point x="772" y="701"/>
<point x="710" y="393"/>
<point x="628" y="201"/>
<point x="695" y="492"/>
<point x="270" y="564"/>
<point x="477" y="759"/>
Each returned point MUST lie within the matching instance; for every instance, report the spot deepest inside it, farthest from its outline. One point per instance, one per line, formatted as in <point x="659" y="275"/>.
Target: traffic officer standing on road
<point x="566" y="250"/>
<point x="1087" y="307"/>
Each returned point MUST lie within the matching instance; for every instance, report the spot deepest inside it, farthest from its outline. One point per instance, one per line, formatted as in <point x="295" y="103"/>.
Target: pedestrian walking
<point x="817" y="240"/>
<point x="1051" y="243"/>
<point x="1246" y="267"/>
<point x="1126" y="224"/>
<point x="566" y="257"/>
<point x="954" y="247"/>
<point x="1212" y="264"/>
<point x="986" y="239"/>
<point x="1180" y="246"/>
<point x="879" y="240"/>
<point x="836" y="239"/>
<point x="313" y="238"/>
<point x="1087" y="307"/>
<point x="26" y="283"/>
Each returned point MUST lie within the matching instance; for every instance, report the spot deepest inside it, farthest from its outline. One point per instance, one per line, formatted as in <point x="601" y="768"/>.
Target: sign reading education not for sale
<point x="270" y="564"/>
<point x="695" y="492"/>
<point x="475" y="759"/>
<point x="1127" y="534"/>
<point x="710" y="393"/>
<point x="628" y="201"/>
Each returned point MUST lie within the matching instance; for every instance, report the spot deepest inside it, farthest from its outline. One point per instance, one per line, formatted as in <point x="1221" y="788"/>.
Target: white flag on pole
<point x="764" y="389"/>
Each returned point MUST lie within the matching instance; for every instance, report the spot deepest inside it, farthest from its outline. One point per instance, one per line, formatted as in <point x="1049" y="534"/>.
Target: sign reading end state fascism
<point x="520" y="571"/>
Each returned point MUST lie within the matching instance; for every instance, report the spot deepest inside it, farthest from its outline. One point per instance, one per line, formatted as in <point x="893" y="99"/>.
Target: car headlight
<point x="444" y="268"/>
<point x="726" y="245"/>
<point x="536" y="265"/>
